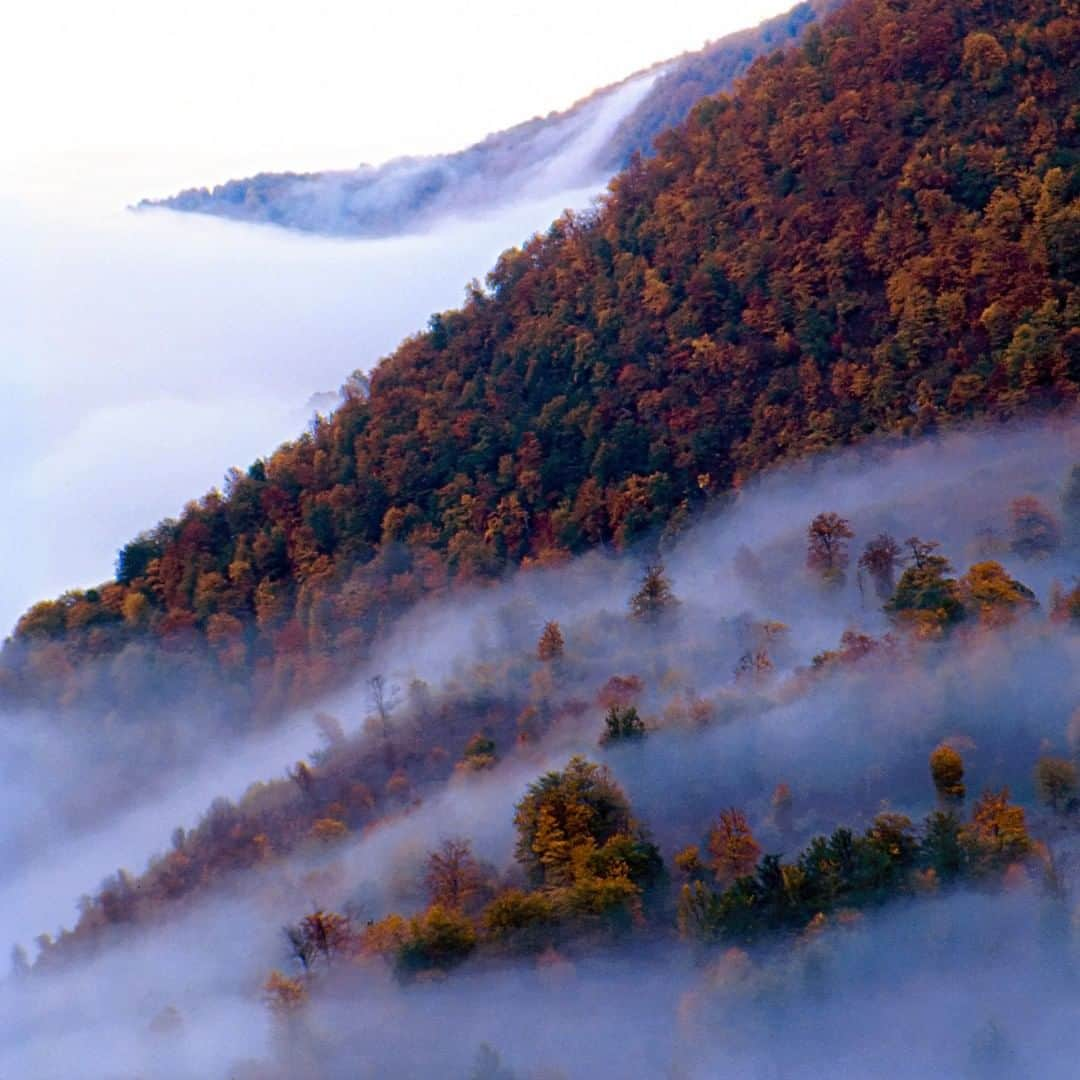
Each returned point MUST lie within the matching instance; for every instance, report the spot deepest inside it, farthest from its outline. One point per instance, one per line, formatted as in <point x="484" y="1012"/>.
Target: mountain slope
<point x="580" y="146"/>
<point x="877" y="233"/>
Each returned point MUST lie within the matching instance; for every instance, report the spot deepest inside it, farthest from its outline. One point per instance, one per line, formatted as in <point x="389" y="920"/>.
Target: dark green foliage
<point x="480" y="745"/>
<point x="622" y="724"/>
<point x="941" y="850"/>
<point x="849" y="871"/>
<point x="636" y="852"/>
<point x="521" y="921"/>
<point x="136" y="556"/>
<point x="439" y="939"/>
<point x="925" y="588"/>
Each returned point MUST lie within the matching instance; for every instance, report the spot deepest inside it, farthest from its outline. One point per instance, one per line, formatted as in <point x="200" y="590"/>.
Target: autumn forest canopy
<point x="690" y="623"/>
<point x="876" y="234"/>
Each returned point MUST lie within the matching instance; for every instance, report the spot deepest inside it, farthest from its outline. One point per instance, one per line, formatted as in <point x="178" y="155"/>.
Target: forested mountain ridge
<point x="600" y="134"/>
<point x="701" y="74"/>
<point x="878" y="232"/>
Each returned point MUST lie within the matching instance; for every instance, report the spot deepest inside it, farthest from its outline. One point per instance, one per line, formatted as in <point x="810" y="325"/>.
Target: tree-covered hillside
<point x="878" y="232"/>
<point x="701" y="74"/>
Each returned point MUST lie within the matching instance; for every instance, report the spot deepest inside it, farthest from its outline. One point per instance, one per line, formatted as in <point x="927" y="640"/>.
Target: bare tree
<point x="454" y="877"/>
<point x="321" y="934"/>
<point x="384" y="699"/>
<point x="921" y="551"/>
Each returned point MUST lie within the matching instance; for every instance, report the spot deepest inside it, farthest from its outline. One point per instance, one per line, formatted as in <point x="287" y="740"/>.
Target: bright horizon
<point x="127" y="98"/>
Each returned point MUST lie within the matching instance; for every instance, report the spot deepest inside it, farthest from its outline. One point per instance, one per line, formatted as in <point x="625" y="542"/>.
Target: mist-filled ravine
<point x="764" y="682"/>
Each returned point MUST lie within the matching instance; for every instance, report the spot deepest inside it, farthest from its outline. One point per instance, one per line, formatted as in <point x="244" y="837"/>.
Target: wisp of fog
<point x="871" y="998"/>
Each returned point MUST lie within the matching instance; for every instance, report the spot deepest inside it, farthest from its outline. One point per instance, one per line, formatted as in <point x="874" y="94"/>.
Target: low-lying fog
<point x="911" y="992"/>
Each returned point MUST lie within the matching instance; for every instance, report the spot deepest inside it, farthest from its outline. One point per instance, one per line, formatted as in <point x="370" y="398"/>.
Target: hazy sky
<point x="141" y="356"/>
<point x="222" y="87"/>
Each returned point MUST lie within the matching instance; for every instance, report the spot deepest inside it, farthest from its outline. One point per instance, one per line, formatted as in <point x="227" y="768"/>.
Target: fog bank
<point x="147" y="353"/>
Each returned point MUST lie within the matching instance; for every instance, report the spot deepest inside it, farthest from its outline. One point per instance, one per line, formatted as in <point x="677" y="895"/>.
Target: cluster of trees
<point x="926" y="599"/>
<point x="414" y="741"/>
<point x="591" y="875"/>
<point x="411" y="741"/>
<point x="762" y="893"/>
<point x="589" y="872"/>
<point x="876" y="233"/>
<point x="406" y="747"/>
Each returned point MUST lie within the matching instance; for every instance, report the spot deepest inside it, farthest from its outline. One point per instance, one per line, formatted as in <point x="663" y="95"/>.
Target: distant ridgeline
<point x="596" y="137"/>
<point x="879" y="233"/>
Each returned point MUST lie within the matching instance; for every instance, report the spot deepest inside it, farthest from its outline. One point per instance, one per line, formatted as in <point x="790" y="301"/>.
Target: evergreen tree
<point x="622" y="725"/>
<point x="925" y="592"/>
<point x="655" y="596"/>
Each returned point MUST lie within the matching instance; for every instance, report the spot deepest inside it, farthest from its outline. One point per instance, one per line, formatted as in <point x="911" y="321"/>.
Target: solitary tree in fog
<point x="1056" y="782"/>
<point x="735" y="852"/>
<point x="827" y="552"/>
<point x="947" y="772"/>
<point x="319" y="935"/>
<point x="454" y="878"/>
<point x="383" y="701"/>
<point x="1036" y="533"/>
<point x="879" y="560"/>
<point x="655" y="596"/>
<point x="551" y="644"/>
<point x="622" y="724"/>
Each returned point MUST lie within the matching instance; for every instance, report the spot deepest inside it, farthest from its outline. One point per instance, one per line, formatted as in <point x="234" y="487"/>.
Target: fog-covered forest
<point x="667" y="663"/>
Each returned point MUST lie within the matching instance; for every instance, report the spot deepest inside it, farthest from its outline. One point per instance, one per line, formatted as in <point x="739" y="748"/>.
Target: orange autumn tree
<point x="997" y="833"/>
<point x="991" y="595"/>
<point x="734" y="851"/>
<point x="551" y="645"/>
<point x="826" y="552"/>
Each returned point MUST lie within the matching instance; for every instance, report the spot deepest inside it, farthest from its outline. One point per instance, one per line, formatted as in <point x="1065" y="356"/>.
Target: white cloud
<point x="275" y="85"/>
